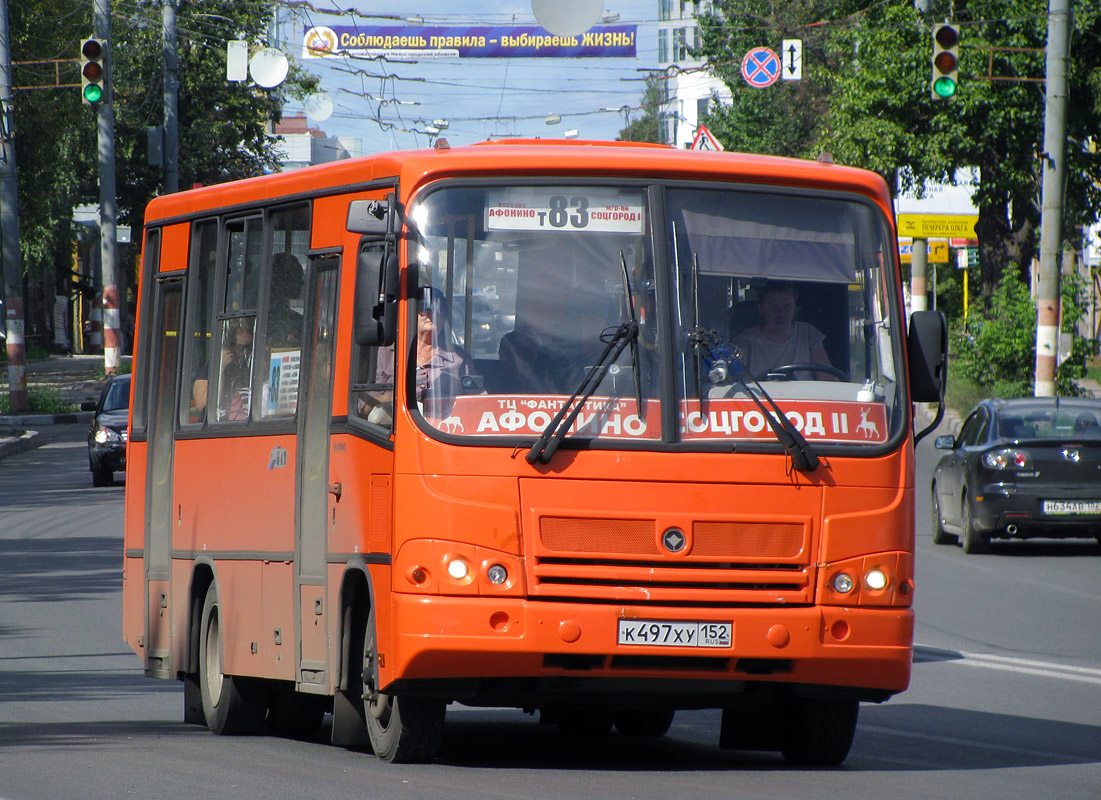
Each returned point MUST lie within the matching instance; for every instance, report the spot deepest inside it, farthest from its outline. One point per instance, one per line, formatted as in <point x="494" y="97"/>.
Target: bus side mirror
<point x="376" y="297"/>
<point x="928" y="356"/>
<point x="372" y="217"/>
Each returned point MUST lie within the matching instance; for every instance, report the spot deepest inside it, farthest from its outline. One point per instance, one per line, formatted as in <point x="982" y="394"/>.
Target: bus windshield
<point x="731" y="294"/>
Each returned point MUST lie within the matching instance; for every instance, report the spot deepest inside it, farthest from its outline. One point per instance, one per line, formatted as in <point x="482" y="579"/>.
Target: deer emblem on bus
<point x="866" y="426"/>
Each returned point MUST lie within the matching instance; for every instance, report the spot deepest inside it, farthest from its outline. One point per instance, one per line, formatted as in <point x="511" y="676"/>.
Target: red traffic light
<point x="947" y="36"/>
<point x="92" y="49"/>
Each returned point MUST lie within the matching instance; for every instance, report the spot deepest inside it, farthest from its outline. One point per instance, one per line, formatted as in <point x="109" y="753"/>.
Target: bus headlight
<point x="458" y="569"/>
<point x="497" y="574"/>
<point x="876" y="579"/>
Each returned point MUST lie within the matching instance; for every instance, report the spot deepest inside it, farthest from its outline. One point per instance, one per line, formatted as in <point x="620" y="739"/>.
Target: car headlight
<point x="1007" y="458"/>
<point x="103" y="435"/>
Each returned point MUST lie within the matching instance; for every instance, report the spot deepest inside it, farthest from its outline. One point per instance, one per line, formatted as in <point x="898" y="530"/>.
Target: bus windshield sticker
<point x="528" y="415"/>
<point x="281" y="388"/>
<point x="564" y="209"/>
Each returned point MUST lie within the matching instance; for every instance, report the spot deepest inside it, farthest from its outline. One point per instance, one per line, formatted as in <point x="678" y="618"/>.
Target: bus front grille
<point x="624" y="560"/>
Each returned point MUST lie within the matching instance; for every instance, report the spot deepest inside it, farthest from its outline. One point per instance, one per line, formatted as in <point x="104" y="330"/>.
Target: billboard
<point x="450" y="41"/>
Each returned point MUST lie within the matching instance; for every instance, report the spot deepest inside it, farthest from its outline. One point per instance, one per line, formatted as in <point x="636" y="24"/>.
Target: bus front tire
<point x="818" y="731"/>
<point x="231" y="704"/>
<point x="402" y="729"/>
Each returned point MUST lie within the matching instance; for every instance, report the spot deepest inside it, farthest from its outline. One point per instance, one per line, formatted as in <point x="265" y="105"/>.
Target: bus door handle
<point x="335" y="489"/>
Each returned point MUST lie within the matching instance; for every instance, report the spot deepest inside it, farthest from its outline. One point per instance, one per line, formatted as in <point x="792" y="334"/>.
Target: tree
<point x="646" y="128"/>
<point x="222" y="126"/>
<point x="866" y="99"/>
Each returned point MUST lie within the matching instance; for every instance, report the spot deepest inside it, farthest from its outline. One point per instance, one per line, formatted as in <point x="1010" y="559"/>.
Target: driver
<point x="778" y="340"/>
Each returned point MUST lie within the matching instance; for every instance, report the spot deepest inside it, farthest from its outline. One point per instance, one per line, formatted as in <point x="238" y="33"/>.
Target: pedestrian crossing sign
<point x="704" y="140"/>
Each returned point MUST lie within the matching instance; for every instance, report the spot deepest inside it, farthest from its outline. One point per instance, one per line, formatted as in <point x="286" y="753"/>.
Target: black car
<point x="108" y="435"/>
<point x="1020" y="468"/>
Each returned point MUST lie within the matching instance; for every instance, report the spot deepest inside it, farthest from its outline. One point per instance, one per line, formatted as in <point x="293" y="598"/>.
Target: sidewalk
<point x="74" y="378"/>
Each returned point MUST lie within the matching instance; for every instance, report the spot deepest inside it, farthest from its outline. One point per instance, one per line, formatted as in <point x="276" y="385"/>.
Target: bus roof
<point x="544" y="157"/>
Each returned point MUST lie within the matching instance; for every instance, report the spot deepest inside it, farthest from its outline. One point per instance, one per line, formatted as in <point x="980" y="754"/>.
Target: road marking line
<point x="1023" y="666"/>
<point x="956" y="740"/>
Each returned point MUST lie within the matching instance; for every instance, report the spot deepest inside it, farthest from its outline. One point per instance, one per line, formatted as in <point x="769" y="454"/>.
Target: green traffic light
<point x="944" y="87"/>
<point x="93" y="93"/>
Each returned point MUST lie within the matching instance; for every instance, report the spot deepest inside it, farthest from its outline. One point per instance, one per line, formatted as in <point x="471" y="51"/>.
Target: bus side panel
<point x="133" y="574"/>
<point x="234" y="500"/>
<point x="361" y="523"/>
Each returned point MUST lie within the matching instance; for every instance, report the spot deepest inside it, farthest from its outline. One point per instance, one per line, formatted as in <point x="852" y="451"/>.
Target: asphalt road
<point x="1004" y="702"/>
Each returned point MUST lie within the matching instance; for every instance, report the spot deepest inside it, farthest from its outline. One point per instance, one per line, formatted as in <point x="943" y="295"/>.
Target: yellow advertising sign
<point x="937" y="226"/>
<point x="936" y="250"/>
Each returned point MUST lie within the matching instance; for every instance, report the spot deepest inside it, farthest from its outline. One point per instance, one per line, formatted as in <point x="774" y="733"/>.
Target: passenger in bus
<point x="284" y="323"/>
<point x="443" y="366"/>
<point x="236" y="371"/>
<point x="778" y="339"/>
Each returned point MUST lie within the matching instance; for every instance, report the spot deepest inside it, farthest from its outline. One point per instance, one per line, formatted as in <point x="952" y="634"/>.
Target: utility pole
<point x="9" y="229"/>
<point x="1051" y="203"/>
<point x="171" y="99"/>
<point x="108" y="203"/>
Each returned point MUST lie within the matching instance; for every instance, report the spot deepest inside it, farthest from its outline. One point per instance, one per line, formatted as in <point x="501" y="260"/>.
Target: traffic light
<point x="946" y="61"/>
<point x="93" y="71"/>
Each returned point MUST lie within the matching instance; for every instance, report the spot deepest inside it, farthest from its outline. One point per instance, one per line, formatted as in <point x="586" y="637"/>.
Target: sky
<point x="386" y="103"/>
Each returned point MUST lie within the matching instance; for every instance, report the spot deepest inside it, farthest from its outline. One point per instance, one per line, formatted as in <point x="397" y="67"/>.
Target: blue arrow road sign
<point x="761" y="67"/>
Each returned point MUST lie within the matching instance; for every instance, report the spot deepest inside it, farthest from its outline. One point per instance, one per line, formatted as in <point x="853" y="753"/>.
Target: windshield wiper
<point x="802" y="454"/>
<point x="615" y="340"/>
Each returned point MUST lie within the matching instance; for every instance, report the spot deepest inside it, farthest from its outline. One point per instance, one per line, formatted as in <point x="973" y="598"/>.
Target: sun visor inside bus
<point x="754" y="236"/>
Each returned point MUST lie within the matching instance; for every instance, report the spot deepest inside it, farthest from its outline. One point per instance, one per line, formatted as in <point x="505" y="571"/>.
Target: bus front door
<point x="312" y="477"/>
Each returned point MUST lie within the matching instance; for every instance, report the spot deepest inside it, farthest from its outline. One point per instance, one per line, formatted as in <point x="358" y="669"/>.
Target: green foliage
<point x="222" y="126"/>
<point x="646" y="128"/>
<point x="1076" y="299"/>
<point x="997" y="352"/>
<point x="865" y="98"/>
<point x="39" y="401"/>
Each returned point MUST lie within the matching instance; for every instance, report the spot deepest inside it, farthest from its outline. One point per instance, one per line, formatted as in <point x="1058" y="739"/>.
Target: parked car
<point x="108" y="435"/>
<point x="1020" y="468"/>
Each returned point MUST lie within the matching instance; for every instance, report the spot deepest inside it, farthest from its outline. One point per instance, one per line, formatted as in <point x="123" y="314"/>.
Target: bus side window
<point x="373" y="369"/>
<point x="373" y="386"/>
<point x="288" y="233"/>
<point x="200" y="323"/>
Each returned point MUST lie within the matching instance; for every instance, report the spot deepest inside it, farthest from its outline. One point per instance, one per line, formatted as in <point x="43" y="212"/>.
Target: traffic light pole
<point x="171" y="98"/>
<point x="1051" y="203"/>
<point x="9" y="230"/>
<point x="108" y="203"/>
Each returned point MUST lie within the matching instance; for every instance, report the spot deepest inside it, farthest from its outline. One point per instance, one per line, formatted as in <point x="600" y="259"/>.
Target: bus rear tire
<point x="295" y="715"/>
<point x="818" y="731"/>
<point x="231" y="704"/>
<point x="402" y="730"/>
<point x="644" y="722"/>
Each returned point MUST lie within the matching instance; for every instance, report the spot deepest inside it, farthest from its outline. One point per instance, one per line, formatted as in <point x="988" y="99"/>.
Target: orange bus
<point x="598" y="430"/>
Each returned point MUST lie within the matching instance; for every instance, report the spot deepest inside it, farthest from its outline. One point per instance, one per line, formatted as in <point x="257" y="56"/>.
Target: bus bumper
<point x="442" y="638"/>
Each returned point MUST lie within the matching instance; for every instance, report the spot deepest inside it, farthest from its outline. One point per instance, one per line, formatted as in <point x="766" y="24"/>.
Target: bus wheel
<point x="232" y="705"/>
<point x="647" y="722"/>
<point x="295" y="715"/>
<point x="402" y="730"/>
<point x="818" y="731"/>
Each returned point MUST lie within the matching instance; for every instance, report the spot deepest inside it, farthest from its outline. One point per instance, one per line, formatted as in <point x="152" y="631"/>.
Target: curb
<point x="30" y="420"/>
<point x="21" y="442"/>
